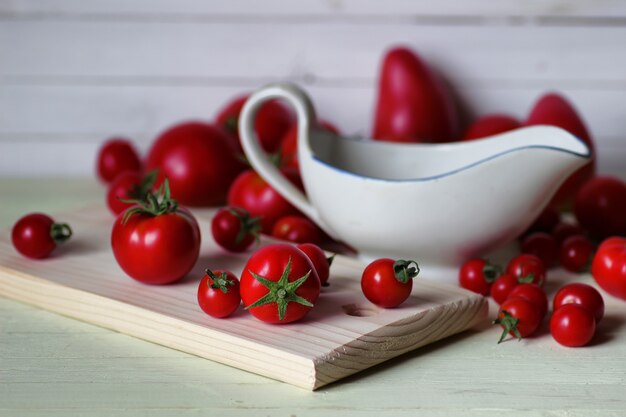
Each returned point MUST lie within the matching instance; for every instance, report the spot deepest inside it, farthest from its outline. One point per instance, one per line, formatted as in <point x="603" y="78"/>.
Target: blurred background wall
<point x="75" y="72"/>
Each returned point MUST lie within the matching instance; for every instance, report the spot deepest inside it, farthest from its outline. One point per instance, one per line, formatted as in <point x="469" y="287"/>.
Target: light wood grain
<point x="344" y="334"/>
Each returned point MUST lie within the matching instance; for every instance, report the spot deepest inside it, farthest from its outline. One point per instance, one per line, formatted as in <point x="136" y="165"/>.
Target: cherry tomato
<point x="218" y="293"/>
<point x="491" y="124"/>
<point x="533" y="293"/>
<point x="572" y="325"/>
<point x="157" y="242"/>
<point x="519" y="317"/>
<point x="199" y="160"/>
<point x="525" y="265"/>
<point x="297" y="229"/>
<point x="600" y="206"/>
<point x="502" y="287"/>
<point x="387" y="282"/>
<point x="116" y="156"/>
<point x="279" y="284"/>
<point x="320" y="261"/>
<point x="609" y="266"/>
<point x="477" y="275"/>
<point x="576" y="253"/>
<point x="582" y="294"/>
<point x="234" y="229"/>
<point x="542" y="245"/>
<point x="252" y="193"/>
<point x="289" y="144"/>
<point x="36" y="235"/>
<point x="563" y="230"/>
<point x="128" y="186"/>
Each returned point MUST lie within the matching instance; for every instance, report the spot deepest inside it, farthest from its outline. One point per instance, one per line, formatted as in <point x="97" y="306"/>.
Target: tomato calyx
<point x="60" y="232"/>
<point x="509" y="323"/>
<point x="528" y="279"/>
<point x="231" y="124"/>
<point x="219" y="282"/>
<point x="153" y="204"/>
<point x="248" y="225"/>
<point x="281" y="292"/>
<point x="491" y="272"/>
<point x="140" y="191"/>
<point x="403" y="270"/>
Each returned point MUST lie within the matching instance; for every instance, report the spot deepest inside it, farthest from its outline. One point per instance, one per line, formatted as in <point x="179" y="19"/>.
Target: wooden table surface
<point x="55" y="366"/>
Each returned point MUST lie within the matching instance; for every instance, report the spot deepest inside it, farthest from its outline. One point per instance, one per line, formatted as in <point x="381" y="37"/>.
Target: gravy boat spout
<point x="439" y="204"/>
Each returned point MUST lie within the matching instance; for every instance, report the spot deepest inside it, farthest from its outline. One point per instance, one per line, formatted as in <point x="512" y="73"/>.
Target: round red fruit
<point x="502" y="287"/>
<point x="36" y="235"/>
<point x="542" y="245"/>
<point x="320" y="261"/>
<point x="534" y="294"/>
<point x="234" y="229"/>
<point x="572" y="325"/>
<point x="387" y="282"/>
<point x="477" y="275"/>
<point x="576" y="253"/>
<point x="128" y="186"/>
<point x="600" y="207"/>
<point x="581" y="294"/>
<point x="218" y="293"/>
<point x="116" y="156"/>
<point x="518" y="317"/>
<point x="609" y="266"/>
<point x="526" y="265"/>
<point x="297" y="229"/>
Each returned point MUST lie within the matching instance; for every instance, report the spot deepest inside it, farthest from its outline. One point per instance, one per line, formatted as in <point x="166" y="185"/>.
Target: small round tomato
<point x="297" y="229"/>
<point x="128" y="186"/>
<point x="502" y="287"/>
<point x="157" y="242"/>
<point x="563" y="230"/>
<point x="279" y="284"/>
<point x="319" y="260"/>
<point x="533" y="293"/>
<point x="582" y="294"/>
<point x="116" y="156"/>
<point x="218" y="293"/>
<point x="576" y="253"/>
<point x="572" y="325"/>
<point x="542" y="245"/>
<point x="387" y="282"/>
<point x="234" y="229"/>
<point x="526" y="265"/>
<point x="519" y="317"/>
<point x="477" y="275"/>
<point x="600" y="205"/>
<point x="609" y="266"/>
<point x="36" y="235"/>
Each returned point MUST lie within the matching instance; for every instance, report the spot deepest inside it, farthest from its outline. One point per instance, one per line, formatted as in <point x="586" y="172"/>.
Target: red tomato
<point x="609" y="266"/>
<point x="387" y="282"/>
<point x="525" y="265"/>
<point x="128" y="185"/>
<point x="321" y="263"/>
<point x="279" y="284"/>
<point x="563" y="230"/>
<point x="199" y="160"/>
<point x="582" y="294"/>
<point x="545" y="222"/>
<point x="234" y="229"/>
<point x="157" y="243"/>
<point x="600" y="207"/>
<point x="572" y="325"/>
<point x="576" y="253"/>
<point x="297" y="229"/>
<point x="116" y="156"/>
<point x="477" y="275"/>
<point x="542" y="245"/>
<point x="36" y="235"/>
<point x="218" y="293"/>
<point x="534" y="294"/>
<point x="289" y="144"/>
<point x="555" y="110"/>
<point x="491" y="124"/>
<point x="252" y="193"/>
<point x="519" y="317"/>
<point x="413" y="103"/>
<point x="502" y="287"/>
<point x="272" y="121"/>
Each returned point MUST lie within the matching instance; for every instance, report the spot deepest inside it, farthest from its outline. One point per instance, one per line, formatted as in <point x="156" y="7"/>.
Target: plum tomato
<point x="279" y="284"/>
<point x="115" y="156"/>
<point x="576" y="253"/>
<point x="534" y="294"/>
<point x="387" y="282"/>
<point x="128" y="187"/>
<point x="582" y="294"/>
<point x="600" y="207"/>
<point x="218" y="293"/>
<point x="477" y="275"/>
<point x="297" y="229"/>
<point x="526" y="265"/>
<point x="234" y="229"/>
<point x="542" y="245"/>
<point x="156" y="242"/>
<point x="320" y="261"/>
<point x="519" y="317"/>
<point x="572" y="325"/>
<point x="36" y="235"/>
<point x="609" y="266"/>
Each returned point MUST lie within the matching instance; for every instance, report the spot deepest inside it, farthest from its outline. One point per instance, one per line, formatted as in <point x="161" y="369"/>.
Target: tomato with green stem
<point x="234" y="229"/>
<point x="527" y="265"/>
<point x="518" y="317"/>
<point x="218" y="293"/>
<point x="387" y="282"/>
<point x="36" y="235"/>
<point x="502" y="287"/>
<point x="128" y="187"/>
<point x="477" y="275"/>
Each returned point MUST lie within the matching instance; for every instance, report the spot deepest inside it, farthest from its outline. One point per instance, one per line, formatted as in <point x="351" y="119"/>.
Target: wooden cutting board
<point x="342" y="335"/>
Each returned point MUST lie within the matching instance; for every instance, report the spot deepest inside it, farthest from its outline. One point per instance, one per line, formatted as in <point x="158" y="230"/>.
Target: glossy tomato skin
<point x="252" y="193"/>
<point x="115" y="156"/>
<point x="576" y="253"/>
<point x="270" y="262"/>
<point x="491" y="124"/>
<point x="581" y="294"/>
<point x="381" y="286"/>
<point x="502" y="287"/>
<point x="572" y="325"/>
<point x="320" y="262"/>
<point x="543" y="245"/>
<point x="156" y="249"/>
<point x="199" y="160"/>
<point x="297" y="229"/>
<point x="600" y="207"/>
<point x="526" y="264"/>
<point x="31" y="236"/>
<point x="472" y="276"/>
<point x="121" y="189"/>
<point x="563" y="230"/>
<point x="533" y="293"/>
<point x="226" y="227"/>
<point x="525" y="311"/>
<point x="214" y="301"/>
<point x="609" y="266"/>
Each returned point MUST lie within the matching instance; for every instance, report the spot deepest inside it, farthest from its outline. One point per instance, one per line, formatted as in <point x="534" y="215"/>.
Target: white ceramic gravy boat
<point x="439" y="204"/>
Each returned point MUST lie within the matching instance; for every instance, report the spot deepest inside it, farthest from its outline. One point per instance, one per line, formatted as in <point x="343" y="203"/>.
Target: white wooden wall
<point x="74" y="72"/>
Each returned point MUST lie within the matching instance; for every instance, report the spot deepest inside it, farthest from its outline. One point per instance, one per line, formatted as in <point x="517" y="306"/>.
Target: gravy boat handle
<point x="257" y="156"/>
